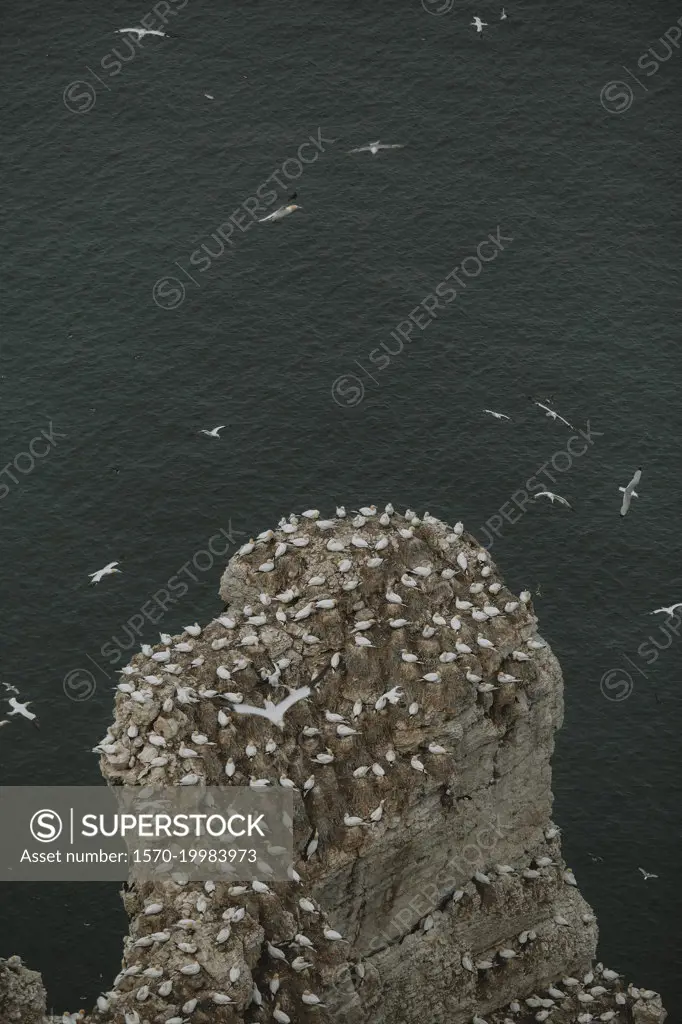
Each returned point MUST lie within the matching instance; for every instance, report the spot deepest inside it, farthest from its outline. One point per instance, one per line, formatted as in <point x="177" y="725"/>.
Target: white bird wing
<point x="249" y="709"/>
<point x="384" y="145"/>
<point x="360" y="149"/>
<point x="270" y="216"/>
<point x="135" y="31"/>
<point x="626" y="502"/>
<point x="635" y="480"/>
<point x="291" y="699"/>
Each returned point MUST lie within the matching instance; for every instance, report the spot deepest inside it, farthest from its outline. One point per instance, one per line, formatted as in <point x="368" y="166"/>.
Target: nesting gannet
<point x="283" y="211"/>
<point x="629" y="492"/>
<point x="142" y="32"/>
<point x="497" y="415"/>
<point x="374" y="147"/>
<point x="646" y="875"/>
<point x="20" y="709"/>
<point x="550" y="413"/>
<point x="552" y="497"/>
<point x="95" y="577"/>
<point x="670" y="611"/>
<point x="478" y="23"/>
<point x="275" y="712"/>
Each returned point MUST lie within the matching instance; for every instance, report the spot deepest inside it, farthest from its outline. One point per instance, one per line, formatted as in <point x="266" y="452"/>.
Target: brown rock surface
<point x="452" y="896"/>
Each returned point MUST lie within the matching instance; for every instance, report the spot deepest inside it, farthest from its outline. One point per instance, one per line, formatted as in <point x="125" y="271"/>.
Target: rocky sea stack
<point x="429" y="885"/>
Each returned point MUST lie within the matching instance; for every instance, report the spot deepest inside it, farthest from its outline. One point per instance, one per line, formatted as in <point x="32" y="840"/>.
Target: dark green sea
<point x="552" y="129"/>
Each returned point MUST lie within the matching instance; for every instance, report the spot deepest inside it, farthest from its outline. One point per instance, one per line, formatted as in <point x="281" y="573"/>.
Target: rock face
<point x="22" y="996"/>
<point x="429" y="886"/>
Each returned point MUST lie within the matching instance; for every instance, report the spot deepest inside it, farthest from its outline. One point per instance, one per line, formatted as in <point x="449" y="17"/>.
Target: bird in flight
<point x="10" y="688"/>
<point x="275" y="712"/>
<point x="503" y="15"/>
<point x="629" y="492"/>
<point x="283" y="211"/>
<point x="213" y="433"/>
<point x="553" y="497"/>
<point x="478" y="23"/>
<point x="141" y="32"/>
<point x="667" y="611"/>
<point x="497" y="415"/>
<point x="646" y="874"/>
<point x="20" y="709"/>
<point x="551" y="413"/>
<point x="95" y="577"/>
<point x="374" y="147"/>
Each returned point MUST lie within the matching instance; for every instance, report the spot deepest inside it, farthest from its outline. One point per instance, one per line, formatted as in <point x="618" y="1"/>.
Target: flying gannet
<point x="497" y="415"/>
<point x="275" y="712"/>
<point x="141" y="32"/>
<point x="551" y="413"/>
<point x="95" y="577"/>
<point x="667" y="611"/>
<point x="646" y="874"/>
<point x="503" y="15"/>
<point x="213" y="433"/>
<point x="283" y="211"/>
<point x="478" y="23"/>
<point x="629" y="492"/>
<point x="553" y="497"/>
<point x="374" y="147"/>
<point x="20" y="709"/>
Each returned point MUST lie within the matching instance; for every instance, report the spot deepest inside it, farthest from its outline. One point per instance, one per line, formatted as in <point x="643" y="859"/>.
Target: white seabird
<point x="141" y="32"/>
<point x="95" y="577"/>
<point x="283" y="211"/>
<point x="374" y="147"/>
<point x="275" y="712"/>
<point x="668" y="611"/>
<point x="213" y="433"/>
<point x="629" y="492"/>
<point x="553" y="497"/>
<point x="646" y="874"/>
<point x="20" y="709"/>
<point x="478" y="23"/>
<point x="503" y="15"/>
<point x="497" y="415"/>
<point x="551" y="414"/>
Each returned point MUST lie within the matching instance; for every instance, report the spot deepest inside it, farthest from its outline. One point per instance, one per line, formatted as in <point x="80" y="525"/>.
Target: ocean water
<point x="537" y="131"/>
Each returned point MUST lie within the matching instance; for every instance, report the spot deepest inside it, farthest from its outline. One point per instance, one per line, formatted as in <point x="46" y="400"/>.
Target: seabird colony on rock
<point x="344" y="644"/>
